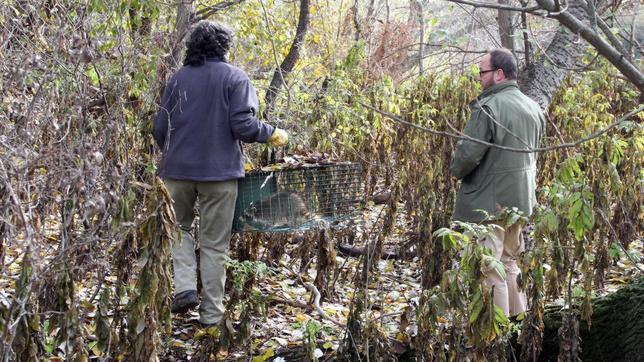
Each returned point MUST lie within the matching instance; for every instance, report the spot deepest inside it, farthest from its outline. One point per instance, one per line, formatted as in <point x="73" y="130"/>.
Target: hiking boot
<point x="185" y="301"/>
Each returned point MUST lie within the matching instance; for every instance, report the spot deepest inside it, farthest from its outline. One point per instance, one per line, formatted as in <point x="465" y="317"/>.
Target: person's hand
<point x="278" y="138"/>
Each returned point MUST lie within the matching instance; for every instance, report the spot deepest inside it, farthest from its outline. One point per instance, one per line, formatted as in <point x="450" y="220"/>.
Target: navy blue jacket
<point x="205" y="114"/>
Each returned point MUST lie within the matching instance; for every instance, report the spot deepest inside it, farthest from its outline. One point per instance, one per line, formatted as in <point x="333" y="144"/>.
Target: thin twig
<point x="607" y="222"/>
<point x="316" y="300"/>
<point x="316" y="303"/>
<point x="292" y="303"/>
<point x="462" y="136"/>
<point x="475" y="4"/>
<point x="209" y="11"/>
<point x="277" y="63"/>
<point x="582" y="68"/>
<point x="383" y="316"/>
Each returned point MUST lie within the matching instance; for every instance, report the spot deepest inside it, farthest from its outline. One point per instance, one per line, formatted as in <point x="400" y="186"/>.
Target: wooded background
<point x="86" y="227"/>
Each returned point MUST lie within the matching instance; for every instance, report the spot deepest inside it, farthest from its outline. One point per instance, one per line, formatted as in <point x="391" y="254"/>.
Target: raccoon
<point x="283" y="209"/>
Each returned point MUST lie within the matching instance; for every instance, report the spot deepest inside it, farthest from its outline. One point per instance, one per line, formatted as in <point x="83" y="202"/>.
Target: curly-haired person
<point x="208" y="108"/>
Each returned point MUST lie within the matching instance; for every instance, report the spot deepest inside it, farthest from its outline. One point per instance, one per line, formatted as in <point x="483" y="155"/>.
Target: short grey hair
<point x="502" y="58"/>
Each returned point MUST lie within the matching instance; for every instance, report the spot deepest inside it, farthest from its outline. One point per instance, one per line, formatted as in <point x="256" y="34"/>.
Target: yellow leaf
<point x="178" y="344"/>
<point x="330" y="311"/>
<point x="265" y="356"/>
<point x="221" y="354"/>
<point x="89" y="306"/>
<point x="199" y="334"/>
<point x="401" y="337"/>
<point x="213" y="331"/>
<point x="97" y="352"/>
<point x="301" y="317"/>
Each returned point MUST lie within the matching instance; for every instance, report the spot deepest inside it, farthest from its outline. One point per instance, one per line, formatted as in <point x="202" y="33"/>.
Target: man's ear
<point x="499" y="76"/>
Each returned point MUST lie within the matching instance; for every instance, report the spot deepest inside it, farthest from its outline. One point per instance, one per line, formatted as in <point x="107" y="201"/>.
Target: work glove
<point x="278" y="138"/>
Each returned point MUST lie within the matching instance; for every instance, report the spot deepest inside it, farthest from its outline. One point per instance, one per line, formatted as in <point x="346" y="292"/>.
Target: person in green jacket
<point x="494" y="179"/>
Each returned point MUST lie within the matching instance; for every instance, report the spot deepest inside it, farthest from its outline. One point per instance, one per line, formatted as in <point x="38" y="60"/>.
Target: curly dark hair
<point x="208" y="40"/>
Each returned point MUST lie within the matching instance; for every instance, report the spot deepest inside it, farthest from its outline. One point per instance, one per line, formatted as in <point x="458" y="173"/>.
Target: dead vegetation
<point x="85" y="225"/>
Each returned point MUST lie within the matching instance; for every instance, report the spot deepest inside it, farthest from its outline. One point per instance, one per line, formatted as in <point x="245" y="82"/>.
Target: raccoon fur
<point x="283" y="209"/>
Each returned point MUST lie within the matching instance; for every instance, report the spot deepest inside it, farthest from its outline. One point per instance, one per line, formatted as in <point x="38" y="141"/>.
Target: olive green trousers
<point x="216" y="205"/>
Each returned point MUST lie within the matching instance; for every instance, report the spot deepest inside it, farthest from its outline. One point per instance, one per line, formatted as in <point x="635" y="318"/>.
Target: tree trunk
<point x="291" y="58"/>
<point x="578" y="25"/>
<point x="416" y="15"/>
<point x="506" y="29"/>
<point x="616" y="332"/>
<point x="542" y="78"/>
<point x="356" y="21"/>
<point x="185" y="13"/>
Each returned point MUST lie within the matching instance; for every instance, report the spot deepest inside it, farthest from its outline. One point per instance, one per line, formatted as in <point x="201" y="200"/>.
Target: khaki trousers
<point x="506" y="246"/>
<point x="216" y="211"/>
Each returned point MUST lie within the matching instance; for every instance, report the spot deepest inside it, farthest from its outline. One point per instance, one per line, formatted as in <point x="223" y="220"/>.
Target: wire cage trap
<point x="298" y="198"/>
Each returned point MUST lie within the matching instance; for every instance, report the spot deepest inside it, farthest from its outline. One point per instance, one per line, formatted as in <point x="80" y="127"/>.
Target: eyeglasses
<point x="481" y="72"/>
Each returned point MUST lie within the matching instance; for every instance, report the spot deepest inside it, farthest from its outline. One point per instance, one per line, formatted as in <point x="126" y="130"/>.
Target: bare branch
<point x="476" y="4"/>
<point x="209" y="11"/>
<point x="274" y="48"/>
<point x="462" y="136"/>
<point x="506" y="27"/>
<point x="612" y="38"/>
<point x="527" y="49"/>
<point x="628" y="69"/>
<point x="541" y="78"/>
<point x="612" y="229"/>
<point x="291" y="58"/>
<point x="318" y="308"/>
<point x="580" y="68"/>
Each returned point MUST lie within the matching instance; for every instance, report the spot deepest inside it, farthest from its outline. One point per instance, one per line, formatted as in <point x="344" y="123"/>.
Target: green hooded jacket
<point x="491" y="178"/>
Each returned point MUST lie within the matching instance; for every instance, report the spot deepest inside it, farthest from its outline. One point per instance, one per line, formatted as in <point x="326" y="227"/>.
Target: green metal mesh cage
<point x="298" y="199"/>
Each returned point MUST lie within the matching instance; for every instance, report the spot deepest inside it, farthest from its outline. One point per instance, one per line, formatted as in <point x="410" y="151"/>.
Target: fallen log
<point x="616" y="331"/>
<point x="357" y="251"/>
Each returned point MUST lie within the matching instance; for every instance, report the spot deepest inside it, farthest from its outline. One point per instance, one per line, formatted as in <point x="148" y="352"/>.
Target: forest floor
<point x="394" y="290"/>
